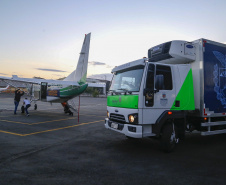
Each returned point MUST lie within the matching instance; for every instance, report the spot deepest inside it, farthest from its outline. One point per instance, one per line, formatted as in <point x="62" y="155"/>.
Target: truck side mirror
<point x="159" y="82"/>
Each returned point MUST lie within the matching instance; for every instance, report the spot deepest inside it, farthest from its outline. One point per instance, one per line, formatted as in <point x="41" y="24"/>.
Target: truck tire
<point x="22" y="109"/>
<point x="169" y="137"/>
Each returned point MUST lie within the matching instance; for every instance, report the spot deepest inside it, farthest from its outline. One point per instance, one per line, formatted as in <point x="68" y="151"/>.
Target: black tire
<point x="169" y="137"/>
<point x="22" y="109"/>
<point x="181" y="134"/>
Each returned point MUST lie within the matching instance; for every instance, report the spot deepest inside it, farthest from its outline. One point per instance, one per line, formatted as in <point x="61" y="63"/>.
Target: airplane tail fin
<point x="79" y="75"/>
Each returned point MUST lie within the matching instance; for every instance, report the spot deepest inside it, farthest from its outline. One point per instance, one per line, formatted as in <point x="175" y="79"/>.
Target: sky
<point x="44" y="37"/>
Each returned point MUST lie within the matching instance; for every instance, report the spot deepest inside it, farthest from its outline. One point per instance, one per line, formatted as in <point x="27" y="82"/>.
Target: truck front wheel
<point x="169" y="137"/>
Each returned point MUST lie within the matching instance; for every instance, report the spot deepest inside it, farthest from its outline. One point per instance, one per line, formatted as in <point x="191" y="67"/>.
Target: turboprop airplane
<point x="3" y="89"/>
<point x="57" y="91"/>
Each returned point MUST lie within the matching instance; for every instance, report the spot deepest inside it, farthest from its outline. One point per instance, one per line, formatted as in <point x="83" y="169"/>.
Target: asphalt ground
<point x="50" y="147"/>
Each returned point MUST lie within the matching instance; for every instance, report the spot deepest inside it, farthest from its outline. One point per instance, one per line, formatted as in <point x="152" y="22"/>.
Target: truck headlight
<point x="108" y="115"/>
<point x="133" y="118"/>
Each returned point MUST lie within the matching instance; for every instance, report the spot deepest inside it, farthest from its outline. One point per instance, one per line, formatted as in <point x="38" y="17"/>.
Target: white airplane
<point x="3" y="89"/>
<point x="57" y="91"/>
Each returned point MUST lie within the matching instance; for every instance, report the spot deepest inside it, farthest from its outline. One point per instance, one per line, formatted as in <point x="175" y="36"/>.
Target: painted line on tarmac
<point x="89" y="115"/>
<point x="51" y="130"/>
<point x="15" y="122"/>
<point x="12" y="133"/>
<point x="42" y="122"/>
<point x="50" y="121"/>
<point x="61" y="128"/>
<point x="35" y="123"/>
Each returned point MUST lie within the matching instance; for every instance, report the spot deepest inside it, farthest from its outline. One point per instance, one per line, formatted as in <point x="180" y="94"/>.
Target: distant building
<point x="102" y="85"/>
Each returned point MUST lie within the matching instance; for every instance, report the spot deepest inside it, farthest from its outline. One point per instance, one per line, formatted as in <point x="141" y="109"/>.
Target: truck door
<point x="43" y="91"/>
<point x="158" y="92"/>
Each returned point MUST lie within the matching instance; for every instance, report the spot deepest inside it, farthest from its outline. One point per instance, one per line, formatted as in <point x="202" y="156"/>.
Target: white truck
<point x="180" y="87"/>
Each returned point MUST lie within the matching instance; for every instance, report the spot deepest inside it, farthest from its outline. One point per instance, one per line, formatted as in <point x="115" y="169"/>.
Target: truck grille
<point x="117" y="117"/>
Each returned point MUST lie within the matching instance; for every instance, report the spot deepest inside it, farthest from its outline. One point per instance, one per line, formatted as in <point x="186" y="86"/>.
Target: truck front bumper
<point x="134" y="131"/>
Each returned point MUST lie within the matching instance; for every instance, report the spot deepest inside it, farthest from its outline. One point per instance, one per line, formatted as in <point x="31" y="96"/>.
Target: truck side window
<point x="149" y="90"/>
<point x="150" y="77"/>
<point x="166" y="77"/>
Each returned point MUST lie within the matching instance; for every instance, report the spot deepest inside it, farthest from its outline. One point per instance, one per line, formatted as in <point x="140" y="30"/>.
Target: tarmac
<point x="50" y="147"/>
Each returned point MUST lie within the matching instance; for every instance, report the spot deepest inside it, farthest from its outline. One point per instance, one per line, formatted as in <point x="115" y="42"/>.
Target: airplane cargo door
<point x="43" y="90"/>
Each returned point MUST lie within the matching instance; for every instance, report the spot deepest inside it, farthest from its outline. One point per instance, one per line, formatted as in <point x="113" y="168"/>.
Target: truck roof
<point x="130" y="64"/>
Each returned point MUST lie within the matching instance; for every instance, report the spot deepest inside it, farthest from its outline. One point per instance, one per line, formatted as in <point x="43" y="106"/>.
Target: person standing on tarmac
<point x="27" y="105"/>
<point x="18" y="94"/>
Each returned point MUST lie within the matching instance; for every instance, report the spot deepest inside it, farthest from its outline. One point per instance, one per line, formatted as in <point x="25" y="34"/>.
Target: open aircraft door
<point x="43" y="91"/>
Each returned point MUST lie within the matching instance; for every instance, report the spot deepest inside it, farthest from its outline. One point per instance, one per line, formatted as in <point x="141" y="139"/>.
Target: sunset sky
<point x="44" y="37"/>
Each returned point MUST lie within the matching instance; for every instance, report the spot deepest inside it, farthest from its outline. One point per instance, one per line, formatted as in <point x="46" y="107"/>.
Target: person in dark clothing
<point x="18" y="94"/>
<point x="67" y="109"/>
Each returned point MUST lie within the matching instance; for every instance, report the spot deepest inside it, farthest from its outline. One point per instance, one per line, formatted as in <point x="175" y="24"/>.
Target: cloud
<point x="100" y="64"/>
<point x="3" y="74"/>
<point x="104" y="76"/>
<point x="97" y="63"/>
<point x="57" y="75"/>
<point x="108" y="66"/>
<point x="52" y="70"/>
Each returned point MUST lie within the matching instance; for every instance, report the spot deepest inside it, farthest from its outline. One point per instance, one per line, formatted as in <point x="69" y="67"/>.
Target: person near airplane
<point x="18" y="94"/>
<point x="27" y="104"/>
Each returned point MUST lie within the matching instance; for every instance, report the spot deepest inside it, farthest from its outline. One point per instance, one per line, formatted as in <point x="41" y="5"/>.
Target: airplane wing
<point x="15" y="78"/>
<point x="3" y="89"/>
<point x="17" y="82"/>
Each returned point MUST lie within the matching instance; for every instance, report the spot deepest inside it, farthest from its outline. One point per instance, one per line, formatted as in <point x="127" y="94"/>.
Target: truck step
<point x="213" y="123"/>
<point x="213" y="132"/>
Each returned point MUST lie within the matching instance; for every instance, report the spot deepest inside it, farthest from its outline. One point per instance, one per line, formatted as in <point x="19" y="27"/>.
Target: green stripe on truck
<point x="185" y="97"/>
<point x="123" y="101"/>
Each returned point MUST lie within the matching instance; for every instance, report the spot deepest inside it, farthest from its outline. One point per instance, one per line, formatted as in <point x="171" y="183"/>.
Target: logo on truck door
<point x="219" y="79"/>
<point x="163" y="100"/>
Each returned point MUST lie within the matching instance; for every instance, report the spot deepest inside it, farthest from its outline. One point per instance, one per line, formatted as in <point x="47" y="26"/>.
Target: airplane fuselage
<point x="57" y="92"/>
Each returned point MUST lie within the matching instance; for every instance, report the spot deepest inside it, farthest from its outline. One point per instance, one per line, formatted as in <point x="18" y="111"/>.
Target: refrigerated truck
<point x="179" y="88"/>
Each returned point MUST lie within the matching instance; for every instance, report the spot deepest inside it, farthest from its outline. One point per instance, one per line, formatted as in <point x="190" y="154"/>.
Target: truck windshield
<point x="127" y="80"/>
